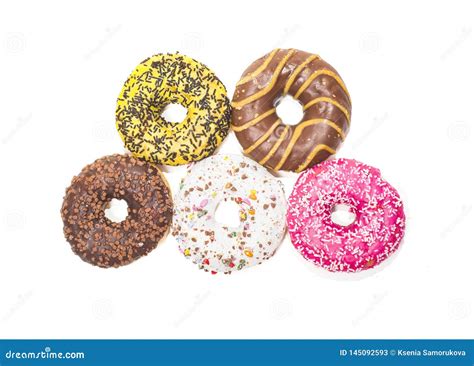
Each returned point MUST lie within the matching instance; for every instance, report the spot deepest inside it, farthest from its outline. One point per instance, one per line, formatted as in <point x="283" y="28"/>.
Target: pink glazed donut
<point x="371" y="238"/>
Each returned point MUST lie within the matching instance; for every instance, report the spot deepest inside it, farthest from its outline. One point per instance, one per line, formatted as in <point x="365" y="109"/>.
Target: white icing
<point x="214" y="246"/>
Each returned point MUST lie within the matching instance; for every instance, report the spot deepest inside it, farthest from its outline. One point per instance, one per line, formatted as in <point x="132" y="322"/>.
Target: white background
<point x="409" y="70"/>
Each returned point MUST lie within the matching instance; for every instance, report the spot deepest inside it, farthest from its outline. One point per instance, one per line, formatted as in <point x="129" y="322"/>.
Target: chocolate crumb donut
<point x="315" y="85"/>
<point x="98" y="240"/>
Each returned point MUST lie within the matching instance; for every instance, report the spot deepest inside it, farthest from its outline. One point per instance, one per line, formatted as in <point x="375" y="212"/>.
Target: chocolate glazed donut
<point x="98" y="240"/>
<point x="315" y="85"/>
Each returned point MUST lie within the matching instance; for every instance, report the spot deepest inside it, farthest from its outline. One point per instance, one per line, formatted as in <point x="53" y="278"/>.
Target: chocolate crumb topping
<point x="98" y="240"/>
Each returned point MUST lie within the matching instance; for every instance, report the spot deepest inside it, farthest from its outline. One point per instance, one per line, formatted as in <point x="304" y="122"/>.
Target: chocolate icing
<point x="104" y="243"/>
<point x="291" y="147"/>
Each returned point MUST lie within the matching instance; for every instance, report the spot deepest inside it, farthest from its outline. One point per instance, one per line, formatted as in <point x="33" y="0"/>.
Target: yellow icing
<point x="172" y="79"/>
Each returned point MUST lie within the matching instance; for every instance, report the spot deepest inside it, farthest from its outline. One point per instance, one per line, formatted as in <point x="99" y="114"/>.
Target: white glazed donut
<point x="214" y="246"/>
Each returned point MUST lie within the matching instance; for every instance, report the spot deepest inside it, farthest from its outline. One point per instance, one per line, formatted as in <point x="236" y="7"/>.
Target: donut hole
<point x="227" y="213"/>
<point x="343" y="215"/>
<point x="289" y="110"/>
<point x="116" y="210"/>
<point x="174" y="113"/>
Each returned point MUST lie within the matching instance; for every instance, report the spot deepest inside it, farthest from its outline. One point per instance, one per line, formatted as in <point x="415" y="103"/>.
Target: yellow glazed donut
<point x="166" y="79"/>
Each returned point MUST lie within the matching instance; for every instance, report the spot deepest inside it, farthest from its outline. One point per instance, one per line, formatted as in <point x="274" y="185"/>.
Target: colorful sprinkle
<point x="217" y="247"/>
<point x="202" y="213"/>
<point x="248" y="253"/>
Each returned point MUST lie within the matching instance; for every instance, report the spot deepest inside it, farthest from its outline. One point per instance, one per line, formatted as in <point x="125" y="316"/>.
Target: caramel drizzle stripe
<point x="297" y="71"/>
<point x="313" y="153"/>
<point x="275" y="146"/>
<point x="329" y="100"/>
<point x="270" y="85"/>
<point x="254" y="121"/>
<point x="265" y="136"/>
<point x="299" y="129"/>
<point x="315" y="74"/>
<point x="259" y="69"/>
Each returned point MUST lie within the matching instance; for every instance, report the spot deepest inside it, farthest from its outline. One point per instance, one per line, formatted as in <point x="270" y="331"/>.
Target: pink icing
<point x="373" y="236"/>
